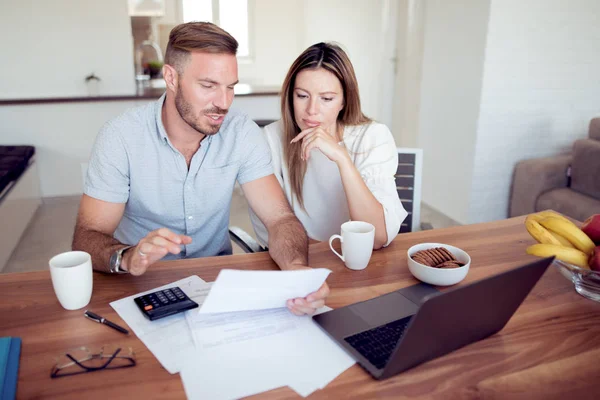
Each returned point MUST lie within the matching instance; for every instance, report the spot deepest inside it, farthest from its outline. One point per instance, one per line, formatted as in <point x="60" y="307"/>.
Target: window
<point x="231" y="15"/>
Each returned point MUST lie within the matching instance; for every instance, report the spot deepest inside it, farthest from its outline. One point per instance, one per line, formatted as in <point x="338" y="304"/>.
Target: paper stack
<point x="243" y="340"/>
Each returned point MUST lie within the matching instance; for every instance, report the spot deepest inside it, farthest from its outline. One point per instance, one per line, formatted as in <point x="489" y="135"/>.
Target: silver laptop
<point x="397" y="331"/>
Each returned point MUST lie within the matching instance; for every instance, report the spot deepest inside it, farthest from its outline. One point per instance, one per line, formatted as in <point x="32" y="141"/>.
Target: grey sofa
<point x="569" y="183"/>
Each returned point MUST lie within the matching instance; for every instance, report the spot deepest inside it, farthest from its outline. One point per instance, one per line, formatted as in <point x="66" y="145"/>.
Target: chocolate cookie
<point x="423" y="257"/>
<point x="447" y="252"/>
<point x="448" y="264"/>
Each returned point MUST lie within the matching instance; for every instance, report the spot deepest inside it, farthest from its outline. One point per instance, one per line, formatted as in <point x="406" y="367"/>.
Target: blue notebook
<point x="10" y="350"/>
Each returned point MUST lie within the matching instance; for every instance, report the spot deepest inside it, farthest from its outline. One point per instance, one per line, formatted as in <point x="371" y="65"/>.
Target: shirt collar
<point x="159" y="122"/>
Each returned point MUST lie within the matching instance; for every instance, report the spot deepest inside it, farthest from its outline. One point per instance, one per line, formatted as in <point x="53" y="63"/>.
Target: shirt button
<point x="190" y="217"/>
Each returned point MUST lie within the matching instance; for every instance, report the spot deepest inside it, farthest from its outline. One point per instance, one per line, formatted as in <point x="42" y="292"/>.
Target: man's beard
<point x="186" y="112"/>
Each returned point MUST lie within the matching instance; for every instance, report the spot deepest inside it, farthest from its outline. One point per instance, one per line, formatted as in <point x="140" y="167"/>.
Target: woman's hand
<point x="318" y="138"/>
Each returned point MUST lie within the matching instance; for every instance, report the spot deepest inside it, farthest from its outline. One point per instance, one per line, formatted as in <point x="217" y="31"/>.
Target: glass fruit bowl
<point x="587" y="282"/>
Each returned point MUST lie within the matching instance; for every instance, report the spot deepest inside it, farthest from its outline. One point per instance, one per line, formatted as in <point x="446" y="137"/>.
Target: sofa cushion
<point x="585" y="168"/>
<point x="569" y="202"/>
<point x="594" y="130"/>
<point x="534" y="177"/>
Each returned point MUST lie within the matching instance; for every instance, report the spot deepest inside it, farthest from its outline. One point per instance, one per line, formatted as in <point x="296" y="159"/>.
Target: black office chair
<point x="408" y="185"/>
<point x="246" y="242"/>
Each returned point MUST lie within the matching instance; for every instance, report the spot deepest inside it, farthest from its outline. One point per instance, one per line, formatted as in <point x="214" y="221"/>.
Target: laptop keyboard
<point x="377" y="344"/>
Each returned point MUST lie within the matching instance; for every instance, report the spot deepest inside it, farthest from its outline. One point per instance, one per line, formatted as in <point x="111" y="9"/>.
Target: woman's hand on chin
<point x="318" y="138"/>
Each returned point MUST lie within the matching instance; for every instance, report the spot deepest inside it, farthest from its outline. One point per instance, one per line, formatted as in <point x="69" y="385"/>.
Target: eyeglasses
<point x="82" y="360"/>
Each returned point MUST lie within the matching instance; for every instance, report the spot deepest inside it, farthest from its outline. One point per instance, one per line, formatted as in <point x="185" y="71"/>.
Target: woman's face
<point x="318" y="99"/>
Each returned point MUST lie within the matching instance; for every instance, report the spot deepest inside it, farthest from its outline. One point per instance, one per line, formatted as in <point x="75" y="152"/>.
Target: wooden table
<point x="549" y="349"/>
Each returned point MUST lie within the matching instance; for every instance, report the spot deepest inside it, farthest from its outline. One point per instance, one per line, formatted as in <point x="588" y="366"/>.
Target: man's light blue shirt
<point x="134" y="162"/>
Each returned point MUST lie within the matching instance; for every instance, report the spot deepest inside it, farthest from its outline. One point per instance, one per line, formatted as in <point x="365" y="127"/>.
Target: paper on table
<point x="324" y="359"/>
<point x="212" y="330"/>
<point x="169" y="338"/>
<point x="258" y="290"/>
<point x="261" y="350"/>
<point x="221" y="375"/>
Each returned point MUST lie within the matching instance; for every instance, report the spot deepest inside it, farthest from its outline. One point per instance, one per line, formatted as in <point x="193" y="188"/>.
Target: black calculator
<point x="163" y="303"/>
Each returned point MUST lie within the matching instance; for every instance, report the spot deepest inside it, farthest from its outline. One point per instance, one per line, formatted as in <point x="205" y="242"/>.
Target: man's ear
<point x="171" y="77"/>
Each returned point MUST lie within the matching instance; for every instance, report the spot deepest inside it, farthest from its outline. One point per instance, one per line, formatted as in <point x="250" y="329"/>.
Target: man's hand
<point x="152" y="248"/>
<point x="309" y="304"/>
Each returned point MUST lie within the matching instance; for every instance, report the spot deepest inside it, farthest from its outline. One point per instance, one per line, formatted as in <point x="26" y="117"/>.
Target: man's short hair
<point x="197" y="36"/>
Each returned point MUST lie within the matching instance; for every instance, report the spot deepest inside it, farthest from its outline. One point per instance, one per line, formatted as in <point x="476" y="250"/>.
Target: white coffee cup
<point x="72" y="279"/>
<point x="357" y="244"/>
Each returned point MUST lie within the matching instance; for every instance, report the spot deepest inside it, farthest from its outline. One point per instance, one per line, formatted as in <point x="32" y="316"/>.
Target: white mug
<point x="357" y="244"/>
<point x="72" y="279"/>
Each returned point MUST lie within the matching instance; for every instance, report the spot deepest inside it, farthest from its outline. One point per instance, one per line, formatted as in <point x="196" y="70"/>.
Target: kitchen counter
<point x="148" y="93"/>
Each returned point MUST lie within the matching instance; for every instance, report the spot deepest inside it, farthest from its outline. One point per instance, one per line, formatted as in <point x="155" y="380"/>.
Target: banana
<point x="563" y="241"/>
<point x="570" y="232"/>
<point x="549" y="213"/>
<point x="537" y="217"/>
<point x="539" y="233"/>
<point x="572" y="256"/>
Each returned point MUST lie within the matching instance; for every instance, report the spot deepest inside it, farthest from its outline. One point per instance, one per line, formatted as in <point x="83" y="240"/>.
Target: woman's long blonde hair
<point x="332" y="58"/>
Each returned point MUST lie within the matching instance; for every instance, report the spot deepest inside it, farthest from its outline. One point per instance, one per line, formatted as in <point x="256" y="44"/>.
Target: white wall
<point x="49" y="47"/>
<point x="541" y="87"/>
<point x="284" y="29"/>
<point x="409" y="66"/>
<point x="358" y="25"/>
<point x="275" y="37"/>
<point x="453" y="56"/>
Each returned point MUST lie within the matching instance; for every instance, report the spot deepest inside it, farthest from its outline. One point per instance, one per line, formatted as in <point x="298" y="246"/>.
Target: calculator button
<point x="148" y="308"/>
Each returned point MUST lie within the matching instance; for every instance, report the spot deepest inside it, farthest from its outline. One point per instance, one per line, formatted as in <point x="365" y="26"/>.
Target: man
<point x="161" y="176"/>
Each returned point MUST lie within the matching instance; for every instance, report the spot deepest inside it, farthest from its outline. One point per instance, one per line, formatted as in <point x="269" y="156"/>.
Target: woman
<point x="334" y="163"/>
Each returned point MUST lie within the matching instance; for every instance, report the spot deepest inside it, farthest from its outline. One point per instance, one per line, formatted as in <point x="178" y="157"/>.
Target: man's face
<point x="205" y="90"/>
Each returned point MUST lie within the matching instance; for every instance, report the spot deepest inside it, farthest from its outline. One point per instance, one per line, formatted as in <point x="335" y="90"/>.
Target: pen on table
<point x="95" y="317"/>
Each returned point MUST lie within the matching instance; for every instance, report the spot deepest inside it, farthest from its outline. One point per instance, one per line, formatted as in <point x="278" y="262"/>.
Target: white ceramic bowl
<point x="439" y="276"/>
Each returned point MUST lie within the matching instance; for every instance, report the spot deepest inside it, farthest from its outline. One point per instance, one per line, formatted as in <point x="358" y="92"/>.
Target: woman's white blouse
<point x="373" y="152"/>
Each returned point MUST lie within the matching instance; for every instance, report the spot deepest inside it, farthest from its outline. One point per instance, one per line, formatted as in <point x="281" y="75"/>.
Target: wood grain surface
<point x="549" y="349"/>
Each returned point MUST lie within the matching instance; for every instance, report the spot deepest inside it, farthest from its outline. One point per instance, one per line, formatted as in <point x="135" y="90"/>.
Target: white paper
<point x="221" y="375"/>
<point x="221" y="329"/>
<point x="236" y="290"/>
<point x="169" y="338"/>
<point x="259" y="351"/>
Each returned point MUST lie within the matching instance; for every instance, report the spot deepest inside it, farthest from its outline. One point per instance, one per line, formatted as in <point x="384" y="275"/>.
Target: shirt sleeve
<point x="107" y="176"/>
<point x="377" y="162"/>
<point x="256" y="162"/>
